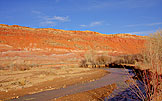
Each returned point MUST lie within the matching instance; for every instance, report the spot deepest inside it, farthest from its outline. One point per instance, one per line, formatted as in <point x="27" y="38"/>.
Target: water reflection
<point x="128" y="93"/>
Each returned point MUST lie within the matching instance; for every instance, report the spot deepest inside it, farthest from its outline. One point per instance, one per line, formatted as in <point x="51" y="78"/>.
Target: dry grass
<point x="153" y="61"/>
<point x="149" y="64"/>
<point x="128" y="59"/>
<point x="16" y="66"/>
<point x="18" y="83"/>
<point x="153" y="53"/>
<point x="97" y="94"/>
<point x="150" y="69"/>
<point x="93" y="59"/>
<point x="10" y="79"/>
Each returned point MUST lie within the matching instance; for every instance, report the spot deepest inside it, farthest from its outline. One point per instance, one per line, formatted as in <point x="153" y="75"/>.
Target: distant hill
<point x="56" y="40"/>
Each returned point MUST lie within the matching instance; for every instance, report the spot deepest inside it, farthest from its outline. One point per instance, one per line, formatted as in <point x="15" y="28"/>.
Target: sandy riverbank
<point x="18" y="83"/>
<point x="97" y="94"/>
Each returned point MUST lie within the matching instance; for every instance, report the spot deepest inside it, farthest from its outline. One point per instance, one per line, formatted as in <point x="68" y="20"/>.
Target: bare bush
<point x="2" y="67"/>
<point x="89" y="58"/>
<point x="128" y="59"/>
<point x="16" y="67"/>
<point x="83" y="63"/>
<point x="153" y="62"/>
<point x="153" y="53"/>
<point x="21" y="67"/>
<point x="151" y="68"/>
<point x="103" y="60"/>
<point x="93" y="59"/>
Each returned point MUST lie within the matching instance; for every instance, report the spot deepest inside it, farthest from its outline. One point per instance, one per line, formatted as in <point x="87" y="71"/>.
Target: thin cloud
<point x="57" y="0"/>
<point x="150" y="24"/>
<point x="153" y="24"/>
<point x="96" y="23"/>
<point x="48" y="20"/>
<point x="47" y="23"/>
<point x="59" y="18"/>
<point x="122" y="4"/>
<point x="36" y="12"/>
<point x="134" y="25"/>
<point x="143" y="32"/>
<point x="83" y="25"/>
<point x="92" y="24"/>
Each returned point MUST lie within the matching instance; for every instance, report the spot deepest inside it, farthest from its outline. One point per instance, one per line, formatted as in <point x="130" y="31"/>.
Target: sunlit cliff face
<point x="56" y="40"/>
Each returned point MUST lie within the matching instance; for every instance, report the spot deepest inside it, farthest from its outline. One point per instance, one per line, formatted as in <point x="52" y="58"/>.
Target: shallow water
<point x="128" y="93"/>
<point x="117" y="75"/>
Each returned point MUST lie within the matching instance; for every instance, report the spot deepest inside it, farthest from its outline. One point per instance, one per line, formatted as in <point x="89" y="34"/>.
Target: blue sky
<point x="105" y="16"/>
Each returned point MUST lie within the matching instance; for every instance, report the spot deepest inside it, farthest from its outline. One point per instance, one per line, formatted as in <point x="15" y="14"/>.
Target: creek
<point x="116" y="75"/>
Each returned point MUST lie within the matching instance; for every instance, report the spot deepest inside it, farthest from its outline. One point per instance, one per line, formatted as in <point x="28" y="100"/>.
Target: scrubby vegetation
<point x="149" y="70"/>
<point x="152" y="67"/>
<point x="148" y="66"/>
<point x="95" y="60"/>
<point x="15" y="67"/>
<point x="128" y="59"/>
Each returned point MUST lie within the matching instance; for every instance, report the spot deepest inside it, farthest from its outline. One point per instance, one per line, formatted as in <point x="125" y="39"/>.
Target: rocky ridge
<point x="61" y="41"/>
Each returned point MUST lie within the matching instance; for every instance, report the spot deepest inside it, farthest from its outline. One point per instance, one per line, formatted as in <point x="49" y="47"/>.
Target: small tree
<point x="89" y="59"/>
<point x="94" y="59"/>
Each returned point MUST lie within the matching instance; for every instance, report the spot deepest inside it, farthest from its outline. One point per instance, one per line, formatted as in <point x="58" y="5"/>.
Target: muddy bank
<point x="115" y="76"/>
<point x="43" y="80"/>
<point x="91" y="95"/>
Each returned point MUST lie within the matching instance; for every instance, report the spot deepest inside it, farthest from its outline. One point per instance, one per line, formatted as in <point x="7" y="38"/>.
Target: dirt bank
<point x="97" y="94"/>
<point x="18" y="83"/>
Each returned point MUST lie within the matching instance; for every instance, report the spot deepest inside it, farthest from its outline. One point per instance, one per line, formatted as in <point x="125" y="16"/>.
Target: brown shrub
<point x="128" y="59"/>
<point x="151" y="66"/>
<point x="15" y="67"/>
<point x="93" y="59"/>
<point x="83" y="63"/>
<point x="103" y="60"/>
<point x="21" y="67"/>
<point x="2" y="67"/>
